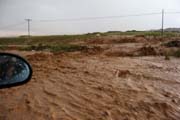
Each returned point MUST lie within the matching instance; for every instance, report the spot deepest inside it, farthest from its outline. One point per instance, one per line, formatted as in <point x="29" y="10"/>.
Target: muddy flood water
<point x="95" y="87"/>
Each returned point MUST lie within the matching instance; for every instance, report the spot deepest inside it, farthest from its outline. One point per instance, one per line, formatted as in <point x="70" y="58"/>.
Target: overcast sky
<point x="15" y="11"/>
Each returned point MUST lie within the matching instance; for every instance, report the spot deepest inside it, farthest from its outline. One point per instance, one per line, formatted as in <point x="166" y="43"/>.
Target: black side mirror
<point x="14" y="70"/>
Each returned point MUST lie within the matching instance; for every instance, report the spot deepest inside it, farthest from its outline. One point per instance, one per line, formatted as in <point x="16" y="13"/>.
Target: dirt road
<point x="95" y="87"/>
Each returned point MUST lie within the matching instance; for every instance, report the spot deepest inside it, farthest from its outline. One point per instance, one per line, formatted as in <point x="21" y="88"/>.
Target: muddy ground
<point x="114" y="80"/>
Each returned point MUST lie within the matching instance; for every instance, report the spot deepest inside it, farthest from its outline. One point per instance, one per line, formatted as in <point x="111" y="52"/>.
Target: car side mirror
<point x="14" y="70"/>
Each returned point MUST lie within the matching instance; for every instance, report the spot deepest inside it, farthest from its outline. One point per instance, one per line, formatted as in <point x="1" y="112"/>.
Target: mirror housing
<point x="14" y="70"/>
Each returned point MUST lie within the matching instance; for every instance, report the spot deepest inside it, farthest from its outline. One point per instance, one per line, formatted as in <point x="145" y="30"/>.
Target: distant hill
<point x="169" y="30"/>
<point x="172" y="30"/>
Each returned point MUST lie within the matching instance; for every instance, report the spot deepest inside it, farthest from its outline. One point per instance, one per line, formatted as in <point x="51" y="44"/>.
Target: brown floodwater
<point x="95" y="87"/>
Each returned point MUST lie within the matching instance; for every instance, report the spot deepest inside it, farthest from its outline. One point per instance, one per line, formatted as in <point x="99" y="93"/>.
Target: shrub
<point x="167" y="57"/>
<point x="177" y="53"/>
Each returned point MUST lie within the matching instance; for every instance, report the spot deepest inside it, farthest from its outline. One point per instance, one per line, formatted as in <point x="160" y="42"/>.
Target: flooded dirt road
<point x="95" y="87"/>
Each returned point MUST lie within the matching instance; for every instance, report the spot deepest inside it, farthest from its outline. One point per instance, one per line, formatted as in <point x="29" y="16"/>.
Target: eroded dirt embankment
<point x="95" y="87"/>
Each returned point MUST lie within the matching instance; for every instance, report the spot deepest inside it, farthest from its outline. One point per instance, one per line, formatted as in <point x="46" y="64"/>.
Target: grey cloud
<point x="14" y="11"/>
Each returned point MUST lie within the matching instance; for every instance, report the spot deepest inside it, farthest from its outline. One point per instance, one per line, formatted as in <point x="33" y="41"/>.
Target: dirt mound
<point x="141" y="36"/>
<point x="93" y="50"/>
<point x="125" y="40"/>
<point x="39" y="56"/>
<point x="143" y="51"/>
<point x="146" y="51"/>
<point x="115" y="40"/>
<point x="96" y="41"/>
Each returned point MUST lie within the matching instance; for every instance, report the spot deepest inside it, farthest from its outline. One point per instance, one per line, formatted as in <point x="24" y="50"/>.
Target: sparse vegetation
<point x="49" y="40"/>
<point x="59" y="39"/>
<point x="177" y="53"/>
<point x="144" y="33"/>
<point x="3" y="47"/>
<point x="102" y="41"/>
<point x="175" y="43"/>
<point x="54" y="48"/>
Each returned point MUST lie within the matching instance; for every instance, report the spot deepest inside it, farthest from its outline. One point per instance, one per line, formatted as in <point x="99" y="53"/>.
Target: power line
<point x="97" y="18"/>
<point x="162" y="30"/>
<point x="172" y="12"/>
<point x="90" y="18"/>
<point x="28" y="21"/>
<point x="12" y="25"/>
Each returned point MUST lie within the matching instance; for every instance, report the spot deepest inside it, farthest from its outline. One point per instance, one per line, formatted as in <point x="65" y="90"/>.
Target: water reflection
<point x="12" y="70"/>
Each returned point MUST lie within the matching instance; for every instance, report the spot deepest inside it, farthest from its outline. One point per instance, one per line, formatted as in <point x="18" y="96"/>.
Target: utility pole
<point x="162" y="30"/>
<point x="28" y="21"/>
